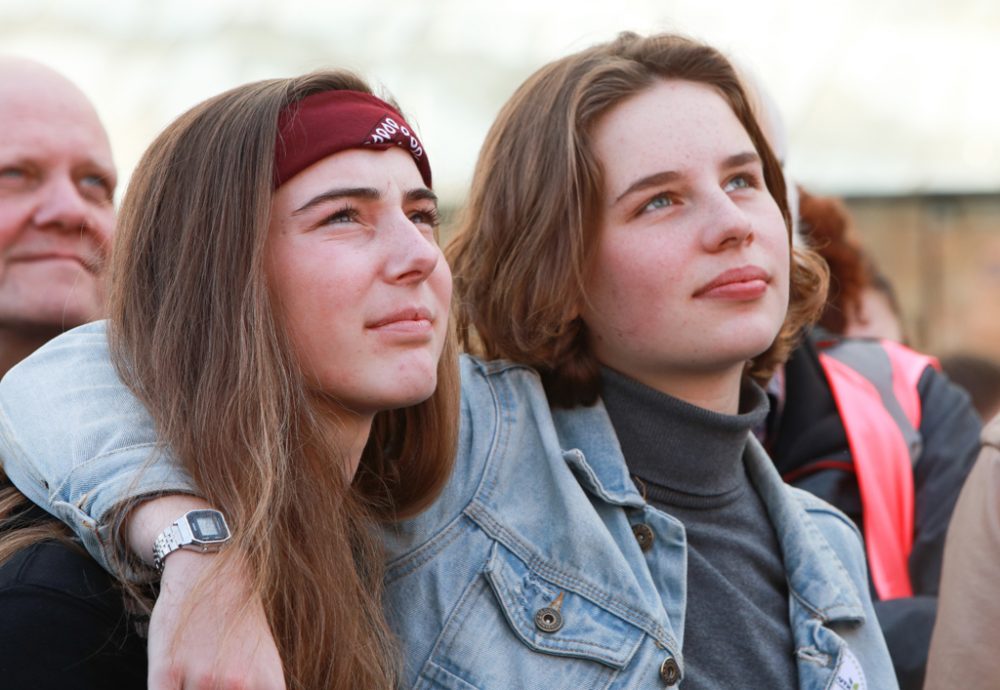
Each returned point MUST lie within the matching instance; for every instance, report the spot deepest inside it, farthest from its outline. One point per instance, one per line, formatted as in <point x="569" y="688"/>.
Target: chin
<point x="407" y="391"/>
<point x="59" y="316"/>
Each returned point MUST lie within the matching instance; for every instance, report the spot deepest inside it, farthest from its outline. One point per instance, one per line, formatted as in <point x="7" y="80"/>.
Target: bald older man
<point x="62" y="620"/>
<point x="57" y="183"/>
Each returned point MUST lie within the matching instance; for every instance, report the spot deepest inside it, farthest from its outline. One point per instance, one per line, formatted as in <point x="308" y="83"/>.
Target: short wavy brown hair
<point x="528" y="234"/>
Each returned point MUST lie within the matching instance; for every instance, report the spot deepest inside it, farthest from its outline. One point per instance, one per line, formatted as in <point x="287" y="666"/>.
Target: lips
<point x="747" y="279"/>
<point x="90" y="265"/>
<point x="408" y="315"/>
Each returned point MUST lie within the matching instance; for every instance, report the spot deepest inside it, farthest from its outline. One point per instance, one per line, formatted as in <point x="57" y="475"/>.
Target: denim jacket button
<point x="670" y="672"/>
<point x="644" y="535"/>
<point x="548" y="619"/>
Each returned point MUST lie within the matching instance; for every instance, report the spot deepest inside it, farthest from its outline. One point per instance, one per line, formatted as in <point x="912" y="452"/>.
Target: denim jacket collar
<point x="816" y="576"/>
<point x="591" y="428"/>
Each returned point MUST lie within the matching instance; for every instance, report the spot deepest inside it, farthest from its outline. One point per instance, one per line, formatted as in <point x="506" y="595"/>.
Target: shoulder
<point x="65" y="623"/>
<point x="496" y="394"/>
<point x="492" y="393"/>
<point x="82" y="351"/>
<point x="480" y="376"/>
<point x="56" y="571"/>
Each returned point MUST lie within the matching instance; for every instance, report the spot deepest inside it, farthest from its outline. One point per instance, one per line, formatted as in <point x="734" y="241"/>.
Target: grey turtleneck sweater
<point x="689" y="462"/>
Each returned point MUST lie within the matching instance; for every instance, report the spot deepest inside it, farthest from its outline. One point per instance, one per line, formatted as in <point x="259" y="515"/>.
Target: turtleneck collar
<point x="689" y="451"/>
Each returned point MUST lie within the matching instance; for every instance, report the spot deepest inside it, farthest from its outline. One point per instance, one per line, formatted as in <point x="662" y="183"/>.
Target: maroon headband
<point x="329" y="122"/>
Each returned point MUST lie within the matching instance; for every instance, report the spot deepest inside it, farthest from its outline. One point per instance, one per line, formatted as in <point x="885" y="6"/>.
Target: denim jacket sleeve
<point x="76" y="441"/>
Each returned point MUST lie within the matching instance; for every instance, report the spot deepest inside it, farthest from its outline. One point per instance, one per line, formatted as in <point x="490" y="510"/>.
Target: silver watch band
<point x="165" y="544"/>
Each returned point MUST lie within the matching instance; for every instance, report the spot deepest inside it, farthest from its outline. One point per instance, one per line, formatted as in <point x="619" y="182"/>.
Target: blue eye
<point x="741" y="181"/>
<point x="13" y="173"/>
<point x="14" y="179"/>
<point x="97" y="188"/>
<point x="658" y="202"/>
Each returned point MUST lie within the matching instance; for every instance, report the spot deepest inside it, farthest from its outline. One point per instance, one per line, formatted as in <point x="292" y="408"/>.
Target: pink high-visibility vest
<point x="875" y="389"/>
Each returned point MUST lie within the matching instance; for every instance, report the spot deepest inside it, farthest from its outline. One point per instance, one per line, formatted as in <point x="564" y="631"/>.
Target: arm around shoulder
<point x="76" y="441"/>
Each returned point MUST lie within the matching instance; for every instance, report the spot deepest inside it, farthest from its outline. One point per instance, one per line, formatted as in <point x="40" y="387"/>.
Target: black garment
<point x="63" y="624"/>
<point x="689" y="462"/>
<point x="809" y="447"/>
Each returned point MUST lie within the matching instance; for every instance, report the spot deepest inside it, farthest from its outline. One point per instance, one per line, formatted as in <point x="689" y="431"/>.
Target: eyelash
<point x="350" y="214"/>
<point x="431" y="212"/>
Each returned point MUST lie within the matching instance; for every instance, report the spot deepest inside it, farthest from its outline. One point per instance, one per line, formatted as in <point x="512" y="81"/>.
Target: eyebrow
<point x="367" y="193"/>
<point x="657" y="179"/>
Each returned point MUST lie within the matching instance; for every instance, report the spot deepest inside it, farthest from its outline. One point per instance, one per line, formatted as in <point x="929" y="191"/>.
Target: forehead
<point x="673" y="123"/>
<point x="49" y="120"/>
<point x="353" y="169"/>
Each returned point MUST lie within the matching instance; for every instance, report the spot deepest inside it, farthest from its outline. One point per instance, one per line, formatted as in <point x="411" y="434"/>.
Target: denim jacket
<point x="526" y="573"/>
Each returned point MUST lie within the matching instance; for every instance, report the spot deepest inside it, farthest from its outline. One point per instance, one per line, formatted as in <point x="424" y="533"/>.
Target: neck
<point x="352" y="429"/>
<point x="718" y="391"/>
<point x="15" y="345"/>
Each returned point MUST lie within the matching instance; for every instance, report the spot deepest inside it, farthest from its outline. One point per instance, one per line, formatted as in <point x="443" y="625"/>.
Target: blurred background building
<point x="890" y="103"/>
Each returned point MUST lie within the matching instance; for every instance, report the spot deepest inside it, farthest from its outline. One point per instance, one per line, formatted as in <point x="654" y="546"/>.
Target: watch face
<point x="208" y="525"/>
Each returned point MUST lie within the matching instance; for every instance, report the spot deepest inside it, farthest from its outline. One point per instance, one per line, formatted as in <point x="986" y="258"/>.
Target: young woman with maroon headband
<point x="624" y="268"/>
<point x="280" y="305"/>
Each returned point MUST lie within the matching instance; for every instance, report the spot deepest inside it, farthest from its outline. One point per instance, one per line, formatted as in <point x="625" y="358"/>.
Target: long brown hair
<point x="195" y="335"/>
<point x="528" y="233"/>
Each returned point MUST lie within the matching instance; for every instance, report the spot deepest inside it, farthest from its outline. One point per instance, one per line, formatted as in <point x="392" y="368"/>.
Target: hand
<point x="202" y="635"/>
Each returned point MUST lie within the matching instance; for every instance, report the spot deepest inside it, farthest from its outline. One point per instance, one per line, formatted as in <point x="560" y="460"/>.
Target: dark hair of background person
<point x="529" y="231"/>
<point x="194" y="334"/>
<point x="980" y="377"/>
<point x="827" y="227"/>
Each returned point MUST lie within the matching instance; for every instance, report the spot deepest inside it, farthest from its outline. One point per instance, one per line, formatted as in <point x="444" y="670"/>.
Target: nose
<point x="727" y="226"/>
<point x="61" y="206"/>
<point x="413" y="254"/>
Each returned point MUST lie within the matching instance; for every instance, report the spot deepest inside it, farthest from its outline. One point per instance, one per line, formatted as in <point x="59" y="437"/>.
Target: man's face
<point x="57" y="182"/>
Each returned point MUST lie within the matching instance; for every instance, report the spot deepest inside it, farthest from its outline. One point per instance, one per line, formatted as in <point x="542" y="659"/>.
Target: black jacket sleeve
<point x="64" y="624"/>
<point x="949" y="428"/>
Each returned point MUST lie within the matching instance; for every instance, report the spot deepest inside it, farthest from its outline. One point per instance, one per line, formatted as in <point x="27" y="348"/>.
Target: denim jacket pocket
<point x="515" y="628"/>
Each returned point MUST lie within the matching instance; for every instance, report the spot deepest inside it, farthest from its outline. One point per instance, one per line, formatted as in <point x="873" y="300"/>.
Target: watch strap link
<point x="165" y="544"/>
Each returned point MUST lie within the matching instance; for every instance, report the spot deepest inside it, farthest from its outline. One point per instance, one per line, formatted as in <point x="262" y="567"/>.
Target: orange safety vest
<point x="875" y="389"/>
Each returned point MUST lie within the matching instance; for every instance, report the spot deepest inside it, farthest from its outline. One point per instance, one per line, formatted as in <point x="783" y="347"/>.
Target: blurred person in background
<point x="878" y="315"/>
<point x="862" y="302"/>
<point x="63" y="619"/>
<point x="57" y="182"/>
